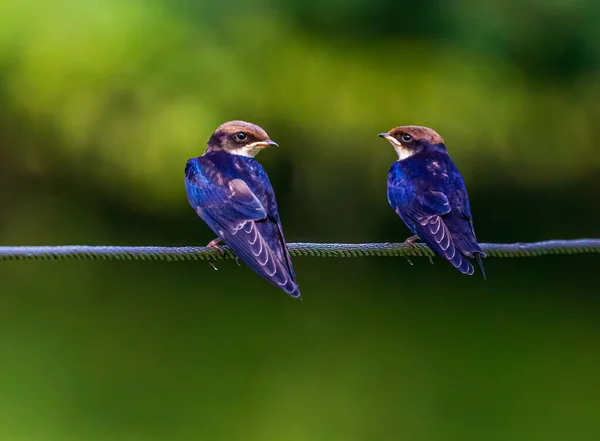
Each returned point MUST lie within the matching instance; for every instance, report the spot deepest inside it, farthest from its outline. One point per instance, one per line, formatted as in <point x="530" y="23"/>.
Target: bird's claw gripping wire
<point x="215" y="244"/>
<point x="410" y="242"/>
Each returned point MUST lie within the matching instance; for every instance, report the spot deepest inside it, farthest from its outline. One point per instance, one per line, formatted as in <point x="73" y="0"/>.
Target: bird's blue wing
<point x="234" y="213"/>
<point x="227" y="201"/>
<point x="465" y="210"/>
<point x="469" y="244"/>
<point x="426" y="212"/>
<point x="434" y="203"/>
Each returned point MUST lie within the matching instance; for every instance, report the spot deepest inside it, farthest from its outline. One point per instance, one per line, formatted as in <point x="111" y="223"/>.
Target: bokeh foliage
<point x="101" y="104"/>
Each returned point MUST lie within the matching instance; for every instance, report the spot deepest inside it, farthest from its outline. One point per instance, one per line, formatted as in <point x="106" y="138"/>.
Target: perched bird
<point x="428" y="193"/>
<point x="232" y="193"/>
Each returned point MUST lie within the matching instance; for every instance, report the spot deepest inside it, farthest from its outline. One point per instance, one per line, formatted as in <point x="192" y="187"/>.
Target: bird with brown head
<point x="232" y="193"/>
<point x="428" y="193"/>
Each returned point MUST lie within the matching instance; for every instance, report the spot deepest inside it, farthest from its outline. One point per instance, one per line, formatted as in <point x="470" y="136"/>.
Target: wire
<point x="83" y="252"/>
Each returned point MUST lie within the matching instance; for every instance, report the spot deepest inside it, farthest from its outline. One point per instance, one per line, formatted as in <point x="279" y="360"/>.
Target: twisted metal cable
<point x="84" y="252"/>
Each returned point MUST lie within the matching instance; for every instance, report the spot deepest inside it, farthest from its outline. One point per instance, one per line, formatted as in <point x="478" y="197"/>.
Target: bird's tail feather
<point x="480" y="263"/>
<point x="462" y="264"/>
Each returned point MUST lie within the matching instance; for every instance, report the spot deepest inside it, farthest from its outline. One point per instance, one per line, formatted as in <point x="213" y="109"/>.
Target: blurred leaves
<point x="127" y="91"/>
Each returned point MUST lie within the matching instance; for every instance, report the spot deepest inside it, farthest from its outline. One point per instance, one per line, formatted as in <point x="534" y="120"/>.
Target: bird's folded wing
<point x="434" y="203"/>
<point x="248" y="244"/>
<point x="228" y="203"/>
<point x="427" y="211"/>
<point x="235" y="211"/>
<point x="469" y="245"/>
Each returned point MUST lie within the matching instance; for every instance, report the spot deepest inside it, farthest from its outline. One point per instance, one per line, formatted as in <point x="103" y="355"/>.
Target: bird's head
<point x="410" y="140"/>
<point x="239" y="138"/>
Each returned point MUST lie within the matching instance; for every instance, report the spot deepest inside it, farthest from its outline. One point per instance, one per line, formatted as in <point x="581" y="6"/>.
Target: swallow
<point x="232" y="193"/>
<point x="428" y="193"/>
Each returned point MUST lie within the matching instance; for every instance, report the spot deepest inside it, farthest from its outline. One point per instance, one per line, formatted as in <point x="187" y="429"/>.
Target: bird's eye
<point x="241" y="136"/>
<point x="407" y="138"/>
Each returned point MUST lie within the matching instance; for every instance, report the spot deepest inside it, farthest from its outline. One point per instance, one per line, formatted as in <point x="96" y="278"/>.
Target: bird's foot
<point x="214" y="244"/>
<point x="411" y="241"/>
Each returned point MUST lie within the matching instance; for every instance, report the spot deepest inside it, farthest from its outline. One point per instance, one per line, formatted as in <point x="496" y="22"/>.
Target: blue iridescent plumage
<point x="428" y="192"/>
<point x="232" y="193"/>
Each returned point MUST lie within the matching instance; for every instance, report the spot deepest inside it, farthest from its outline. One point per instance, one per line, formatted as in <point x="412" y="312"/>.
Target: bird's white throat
<point x="249" y="150"/>
<point x="403" y="152"/>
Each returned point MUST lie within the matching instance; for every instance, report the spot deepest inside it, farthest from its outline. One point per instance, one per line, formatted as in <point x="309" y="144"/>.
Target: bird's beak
<point x="389" y="137"/>
<point x="263" y="144"/>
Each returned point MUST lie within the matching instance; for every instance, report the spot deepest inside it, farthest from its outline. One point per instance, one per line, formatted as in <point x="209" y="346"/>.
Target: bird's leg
<point x="411" y="243"/>
<point x="214" y="244"/>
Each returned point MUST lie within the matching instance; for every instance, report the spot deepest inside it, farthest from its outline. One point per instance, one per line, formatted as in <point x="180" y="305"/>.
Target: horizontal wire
<point x="84" y="252"/>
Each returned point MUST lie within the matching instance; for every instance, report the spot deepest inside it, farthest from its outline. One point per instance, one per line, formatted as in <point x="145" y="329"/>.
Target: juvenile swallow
<point x="232" y="193"/>
<point x="428" y="193"/>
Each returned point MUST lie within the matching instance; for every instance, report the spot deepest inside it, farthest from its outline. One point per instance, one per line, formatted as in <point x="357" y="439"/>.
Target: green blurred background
<point x="102" y="103"/>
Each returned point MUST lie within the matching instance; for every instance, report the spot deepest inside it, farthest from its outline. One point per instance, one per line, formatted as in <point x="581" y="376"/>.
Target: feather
<point x="218" y="187"/>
